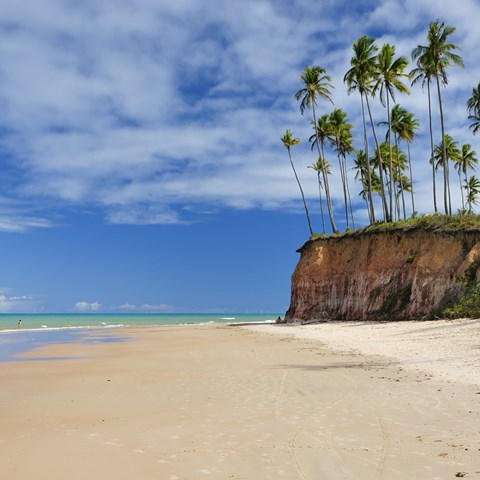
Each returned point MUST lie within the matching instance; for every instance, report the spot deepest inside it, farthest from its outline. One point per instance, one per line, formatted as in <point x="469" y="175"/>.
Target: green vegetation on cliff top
<point x="433" y="223"/>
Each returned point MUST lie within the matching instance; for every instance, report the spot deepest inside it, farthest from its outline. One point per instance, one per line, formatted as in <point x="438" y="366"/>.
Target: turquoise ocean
<point x="106" y="320"/>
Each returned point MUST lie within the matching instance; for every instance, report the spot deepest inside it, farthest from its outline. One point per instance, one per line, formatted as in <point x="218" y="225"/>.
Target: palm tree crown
<point x="452" y="150"/>
<point x="389" y="71"/>
<point x="289" y="140"/>
<point x="361" y="74"/>
<point x="317" y="84"/>
<point x="438" y="53"/>
<point x="473" y="107"/>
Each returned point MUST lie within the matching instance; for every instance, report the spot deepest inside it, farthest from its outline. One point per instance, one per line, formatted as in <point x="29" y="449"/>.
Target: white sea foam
<point x="227" y="318"/>
<point x="73" y="327"/>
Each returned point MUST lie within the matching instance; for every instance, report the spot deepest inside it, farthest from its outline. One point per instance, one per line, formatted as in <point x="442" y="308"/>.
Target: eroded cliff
<point x="382" y="275"/>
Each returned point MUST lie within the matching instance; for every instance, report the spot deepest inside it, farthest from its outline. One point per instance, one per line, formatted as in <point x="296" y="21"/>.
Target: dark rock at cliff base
<point x="383" y="275"/>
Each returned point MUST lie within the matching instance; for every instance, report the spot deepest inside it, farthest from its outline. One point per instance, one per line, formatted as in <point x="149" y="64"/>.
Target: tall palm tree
<point x="404" y="127"/>
<point x="395" y="126"/>
<point x="400" y="182"/>
<point x="361" y="166"/>
<point x="289" y="141"/>
<point x="321" y="135"/>
<point x="321" y="166"/>
<point x="465" y="161"/>
<point x="424" y="72"/>
<point x="473" y="107"/>
<point x="408" y="130"/>
<point x="359" y="77"/>
<point x="441" y="55"/>
<point x="472" y="186"/>
<point x="345" y="143"/>
<point x="341" y="140"/>
<point x="390" y="71"/>
<point x="316" y="85"/>
<point x="445" y="152"/>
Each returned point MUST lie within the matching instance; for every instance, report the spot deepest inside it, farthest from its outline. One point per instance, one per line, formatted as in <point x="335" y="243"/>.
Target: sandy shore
<point x="448" y="349"/>
<point x="223" y="402"/>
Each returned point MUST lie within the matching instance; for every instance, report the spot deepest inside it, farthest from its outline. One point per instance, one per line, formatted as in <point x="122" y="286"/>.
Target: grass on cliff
<point x="435" y="222"/>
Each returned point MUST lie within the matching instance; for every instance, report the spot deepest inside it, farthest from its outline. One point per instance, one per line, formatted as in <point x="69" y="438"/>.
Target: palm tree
<point x="361" y="165"/>
<point x="289" y="141"/>
<point x="465" y="161"/>
<point x="390" y="71"/>
<point x="440" y="55"/>
<point x="316" y="85"/>
<point x="408" y="130"/>
<point x="404" y="126"/>
<point x="472" y="186"/>
<point x="321" y="166"/>
<point x="359" y="77"/>
<point x="400" y="181"/>
<point x="444" y="152"/>
<point x="424" y="72"/>
<point x="341" y="140"/>
<point x="321" y="135"/>
<point x="473" y="107"/>
<point x="345" y="143"/>
<point x="396" y="118"/>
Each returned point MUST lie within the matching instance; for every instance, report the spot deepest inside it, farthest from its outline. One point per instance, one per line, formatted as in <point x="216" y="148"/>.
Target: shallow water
<point x="14" y="344"/>
<point x="36" y="321"/>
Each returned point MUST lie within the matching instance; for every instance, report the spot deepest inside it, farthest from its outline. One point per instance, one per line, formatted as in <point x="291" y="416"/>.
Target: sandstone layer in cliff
<point x="382" y="275"/>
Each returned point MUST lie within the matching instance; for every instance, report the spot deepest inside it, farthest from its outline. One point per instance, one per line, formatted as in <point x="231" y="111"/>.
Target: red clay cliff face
<point x="381" y="276"/>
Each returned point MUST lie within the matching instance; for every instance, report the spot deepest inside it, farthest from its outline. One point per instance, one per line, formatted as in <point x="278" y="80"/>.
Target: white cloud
<point x="83" y="306"/>
<point x="149" y="110"/>
<point x="127" y="307"/>
<point x="162" y="307"/>
<point x="19" y="303"/>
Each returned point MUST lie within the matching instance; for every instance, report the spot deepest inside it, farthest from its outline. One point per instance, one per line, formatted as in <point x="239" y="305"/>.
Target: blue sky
<point x="139" y="142"/>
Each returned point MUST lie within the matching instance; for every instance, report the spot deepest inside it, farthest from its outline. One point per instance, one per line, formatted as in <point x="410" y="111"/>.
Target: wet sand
<point x="220" y="402"/>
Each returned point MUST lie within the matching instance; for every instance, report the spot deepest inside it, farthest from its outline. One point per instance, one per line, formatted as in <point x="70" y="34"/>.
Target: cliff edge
<point x="389" y="275"/>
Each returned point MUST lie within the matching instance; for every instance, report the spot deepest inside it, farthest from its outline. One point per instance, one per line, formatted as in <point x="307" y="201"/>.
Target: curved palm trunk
<point x="448" y="190"/>
<point x="320" y="196"/>
<point x="444" y="155"/>
<point x="431" y="146"/>
<point x="403" y="196"/>
<point x="362" y="179"/>
<point x="461" y="189"/>
<point x="411" y="179"/>
<point x="400" y="179"/>
<point x="371" y="208"/>
<point x="325" y="176"/>
<point x="348" y="190"/>
<point x="386" y="216"/>
<point x="469" y="196"/>
<point x="342" y="174"/>
<point x="390" y="151"/>
<point x="301" y="191"/>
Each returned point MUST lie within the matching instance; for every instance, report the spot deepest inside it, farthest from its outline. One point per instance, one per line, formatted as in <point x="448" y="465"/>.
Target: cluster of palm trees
<point x="387" y="171"/>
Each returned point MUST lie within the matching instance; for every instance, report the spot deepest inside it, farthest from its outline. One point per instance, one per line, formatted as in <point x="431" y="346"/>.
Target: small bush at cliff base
<point x="468" y="306"/>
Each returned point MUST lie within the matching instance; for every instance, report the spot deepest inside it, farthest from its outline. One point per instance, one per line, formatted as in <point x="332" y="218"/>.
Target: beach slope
<point x="220" y="402"/>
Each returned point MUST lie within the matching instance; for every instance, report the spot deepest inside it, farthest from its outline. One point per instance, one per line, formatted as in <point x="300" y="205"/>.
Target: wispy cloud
<point x="83" y="306"/>
<point x="148" y="109"/>
<point x="19" y="303"/>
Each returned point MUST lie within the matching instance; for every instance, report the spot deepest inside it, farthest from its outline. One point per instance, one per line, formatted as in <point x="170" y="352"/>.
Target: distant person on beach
<point x="279" y="319"/>
<point x="19" y="324"/>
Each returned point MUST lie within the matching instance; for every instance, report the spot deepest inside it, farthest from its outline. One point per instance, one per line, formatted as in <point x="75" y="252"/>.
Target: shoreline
<point x="146" y="325"/>
<point x="218" y="402"/>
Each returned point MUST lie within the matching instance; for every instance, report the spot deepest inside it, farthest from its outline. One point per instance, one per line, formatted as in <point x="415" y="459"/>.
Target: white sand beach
<point x="448" y="349"/>
<point x="220" y="402"/>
